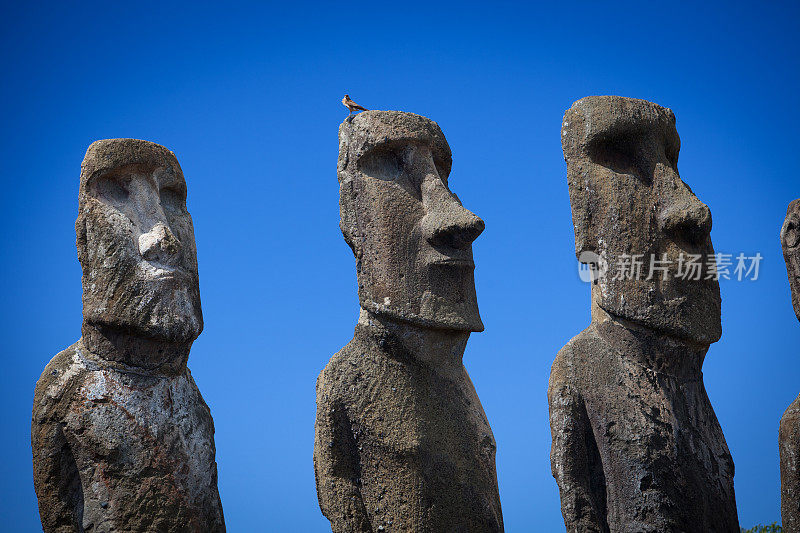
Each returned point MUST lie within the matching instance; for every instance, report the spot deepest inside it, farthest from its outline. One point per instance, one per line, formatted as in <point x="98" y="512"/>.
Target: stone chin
<point x="165" y="310"/>
<point x="689" y="311"/>
<point x="435" y="313"/>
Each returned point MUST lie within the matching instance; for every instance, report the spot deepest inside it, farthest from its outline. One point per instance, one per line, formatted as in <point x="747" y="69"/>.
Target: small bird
<point x="351" y="106"/>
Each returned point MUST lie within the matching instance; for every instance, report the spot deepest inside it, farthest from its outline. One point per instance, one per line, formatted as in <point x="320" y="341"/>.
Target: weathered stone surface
<point x="122" y="439"/>
<point x="790" y="242"/>
<point x="402" y="442"/>
<point x="789" y="432"/>
<point x="636" y="444"/>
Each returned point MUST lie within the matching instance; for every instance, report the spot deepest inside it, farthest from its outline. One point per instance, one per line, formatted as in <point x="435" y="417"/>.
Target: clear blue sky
<point x="247" y="96"/>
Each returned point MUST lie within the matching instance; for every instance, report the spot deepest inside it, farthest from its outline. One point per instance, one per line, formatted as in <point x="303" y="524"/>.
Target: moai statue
<point x="402" y="442"/>
<point x="789" y="433"/>
<point x="636" y="444"/>
<point x="122" y="439"/>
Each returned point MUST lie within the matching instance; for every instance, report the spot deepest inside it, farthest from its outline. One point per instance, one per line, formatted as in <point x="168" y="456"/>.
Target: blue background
<point x="247" y="96"/>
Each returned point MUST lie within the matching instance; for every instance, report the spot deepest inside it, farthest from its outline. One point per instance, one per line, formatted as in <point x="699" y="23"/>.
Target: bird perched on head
<point x="351" y="105"/>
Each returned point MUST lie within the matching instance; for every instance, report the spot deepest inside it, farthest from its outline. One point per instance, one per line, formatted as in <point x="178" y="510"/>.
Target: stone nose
<point x="160" y="245"/>
<point x="688" y="219"/>
<point x="447" y="222"/>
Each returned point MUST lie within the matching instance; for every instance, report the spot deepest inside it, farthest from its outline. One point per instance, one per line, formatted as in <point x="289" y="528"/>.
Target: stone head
<point x="790" y="242"/>
<point x="627" y="198"/>
<point x="136" y="242"/>
<point x="411" y="236"/>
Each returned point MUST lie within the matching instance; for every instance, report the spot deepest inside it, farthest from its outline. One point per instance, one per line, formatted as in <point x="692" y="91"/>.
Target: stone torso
<point x="124" y="451"/>
<point x="636" y="424"/>
<point x="789" y="447"/>
<point x="413" y="446"/>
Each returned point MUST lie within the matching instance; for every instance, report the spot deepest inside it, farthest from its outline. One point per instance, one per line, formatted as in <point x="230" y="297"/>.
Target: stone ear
<point x="581" y="189"/>
<point x="580" y="200"/>
<point x="347" y="217"/>
<point x="80" y="237"/>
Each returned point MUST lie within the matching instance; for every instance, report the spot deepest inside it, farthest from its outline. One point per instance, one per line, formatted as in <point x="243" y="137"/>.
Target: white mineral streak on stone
<point x="55" y="388"/>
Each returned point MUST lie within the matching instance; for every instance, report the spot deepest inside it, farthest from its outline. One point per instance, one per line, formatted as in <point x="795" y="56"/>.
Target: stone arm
<point x="337" y="468"/>
<point x="55" y="473"/>
<point x="574" y="459"/>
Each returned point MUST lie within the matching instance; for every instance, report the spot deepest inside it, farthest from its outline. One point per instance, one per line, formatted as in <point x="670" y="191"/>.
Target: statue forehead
<point x="794" y="207"/>
<point x="373" y="130"/>
<point x="789" y="229"/>
<point x="120" y="157"/>
<point x="597" y="118"/>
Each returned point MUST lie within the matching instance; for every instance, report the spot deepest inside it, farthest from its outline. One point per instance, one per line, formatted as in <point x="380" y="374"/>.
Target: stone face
<point x="636" y="444"/>
<point x="411" y="237"/>
<point x="136" y="244"/>
<point x="402" y="442"/>
<point x="122" y="439"/>
<point x="790" y="242"/>
<point x="789" y="432"/>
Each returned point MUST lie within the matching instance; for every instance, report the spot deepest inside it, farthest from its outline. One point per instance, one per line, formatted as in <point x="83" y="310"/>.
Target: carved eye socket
<point x="619" y="153"/>
<point x="384" y="165"/>
<point x="112" y="191"/>
<point x="441" y="170"/>
<point x="790" y="233"/>
<point x="671" y="152"/>
<point x="172" y="198"/>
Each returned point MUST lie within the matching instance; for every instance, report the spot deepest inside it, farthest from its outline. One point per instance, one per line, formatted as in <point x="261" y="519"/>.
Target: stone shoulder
<point x="573" y="356"/>
<point x="358" y="371"/>
<point x="792" y="412"/>
<point x="60" y="378"/>
<point x="336" y="372"/>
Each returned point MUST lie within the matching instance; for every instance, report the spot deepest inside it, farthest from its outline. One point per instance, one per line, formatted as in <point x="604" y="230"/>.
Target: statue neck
<point x="440" y="349"/>
<point x="650" y="348"/>
<point x="119" y="349"/>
